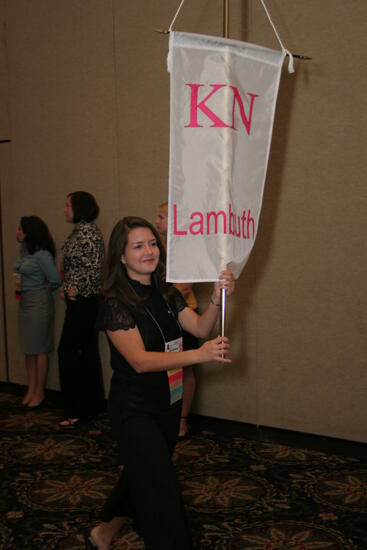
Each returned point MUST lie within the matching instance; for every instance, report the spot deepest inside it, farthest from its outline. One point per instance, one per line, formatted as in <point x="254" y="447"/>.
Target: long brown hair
<point x="116" y="280"/>
<point x="37" y="235"/>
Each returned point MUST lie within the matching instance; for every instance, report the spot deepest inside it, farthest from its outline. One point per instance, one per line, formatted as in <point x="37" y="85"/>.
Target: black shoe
<point x="34" y="407"/>
<point x="186" y="434"/>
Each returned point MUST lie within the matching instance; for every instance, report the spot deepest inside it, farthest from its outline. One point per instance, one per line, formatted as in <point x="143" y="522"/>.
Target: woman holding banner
<point x="142" y="316"/>
<point x="189" y="341"/>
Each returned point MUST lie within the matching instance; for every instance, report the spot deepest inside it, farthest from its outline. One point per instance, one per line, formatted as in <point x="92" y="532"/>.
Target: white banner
<point x="223" y="97"/>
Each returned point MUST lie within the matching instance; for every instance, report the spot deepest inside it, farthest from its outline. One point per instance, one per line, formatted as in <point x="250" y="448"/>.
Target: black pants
<point x="80" y="370"/>
<point x="148" y="489"/>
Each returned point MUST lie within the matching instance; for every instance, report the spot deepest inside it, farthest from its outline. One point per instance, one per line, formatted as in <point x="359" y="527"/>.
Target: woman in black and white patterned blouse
<point x="81" y="379"/>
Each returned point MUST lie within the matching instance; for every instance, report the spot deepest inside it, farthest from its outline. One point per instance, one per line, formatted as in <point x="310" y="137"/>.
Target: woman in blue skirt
<point x="38" y="275"/>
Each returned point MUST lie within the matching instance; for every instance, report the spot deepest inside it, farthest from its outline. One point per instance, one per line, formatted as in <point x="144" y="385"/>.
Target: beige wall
<point x="89" y="109"/>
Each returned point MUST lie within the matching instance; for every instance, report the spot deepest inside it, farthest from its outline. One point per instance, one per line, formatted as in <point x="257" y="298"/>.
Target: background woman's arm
<point x="49" y="269"/>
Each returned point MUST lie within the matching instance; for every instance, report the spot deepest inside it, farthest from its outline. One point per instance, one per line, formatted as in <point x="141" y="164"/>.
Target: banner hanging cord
<point x="284" y="50"/>
<point x="175" y="17"/>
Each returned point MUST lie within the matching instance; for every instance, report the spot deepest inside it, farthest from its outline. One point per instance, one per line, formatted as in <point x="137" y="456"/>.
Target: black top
<point x="130" y="391"/>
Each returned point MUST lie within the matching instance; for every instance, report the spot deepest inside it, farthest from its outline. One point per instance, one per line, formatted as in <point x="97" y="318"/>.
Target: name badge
<point x="174" y="375"/>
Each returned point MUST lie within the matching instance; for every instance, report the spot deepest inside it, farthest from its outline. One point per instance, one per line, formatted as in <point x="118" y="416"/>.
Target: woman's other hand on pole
<point x="227" y="281"/>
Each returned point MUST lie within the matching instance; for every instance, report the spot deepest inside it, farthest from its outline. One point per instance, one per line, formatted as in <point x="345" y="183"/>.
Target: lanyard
<point x="174" y="376"/>
<point x="155" y="321"/>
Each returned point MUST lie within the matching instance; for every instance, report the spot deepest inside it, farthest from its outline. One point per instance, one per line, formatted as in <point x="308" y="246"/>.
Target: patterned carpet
<point x="240" y="493"/>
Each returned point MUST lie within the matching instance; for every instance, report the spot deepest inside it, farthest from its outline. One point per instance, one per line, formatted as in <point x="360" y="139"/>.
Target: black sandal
<point x="90" y="542"/>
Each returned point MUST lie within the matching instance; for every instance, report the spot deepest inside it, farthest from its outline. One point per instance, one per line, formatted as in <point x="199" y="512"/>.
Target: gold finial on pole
<point x="161" y="31"/>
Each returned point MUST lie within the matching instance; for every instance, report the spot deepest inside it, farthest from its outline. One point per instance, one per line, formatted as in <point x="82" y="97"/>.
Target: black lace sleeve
<point x="177" y="300"/>
<point x="114" y="315"/>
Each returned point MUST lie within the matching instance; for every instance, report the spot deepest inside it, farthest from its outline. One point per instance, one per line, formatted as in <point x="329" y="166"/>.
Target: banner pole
<point x="223" y="297"/>
<point x="223" y="291"/>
